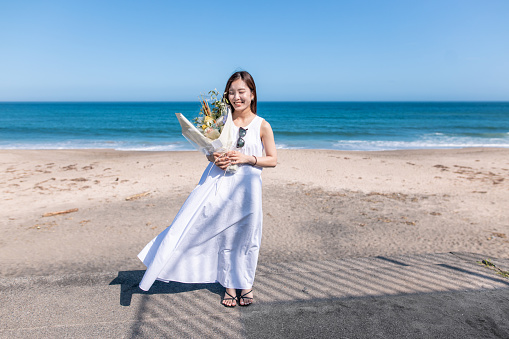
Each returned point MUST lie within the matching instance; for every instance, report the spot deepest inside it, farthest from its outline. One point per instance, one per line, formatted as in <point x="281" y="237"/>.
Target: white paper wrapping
<point x="202" y="143"/>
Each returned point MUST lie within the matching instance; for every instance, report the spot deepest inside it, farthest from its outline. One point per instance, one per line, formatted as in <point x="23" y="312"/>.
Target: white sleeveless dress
<point x="216" y="235"/>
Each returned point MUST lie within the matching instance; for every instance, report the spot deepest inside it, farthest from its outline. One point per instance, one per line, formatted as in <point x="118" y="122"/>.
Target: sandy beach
<point x="318" y="205"/>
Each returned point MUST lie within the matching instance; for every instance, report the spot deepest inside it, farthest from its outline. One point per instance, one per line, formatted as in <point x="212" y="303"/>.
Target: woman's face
<point x="240" y="96"/>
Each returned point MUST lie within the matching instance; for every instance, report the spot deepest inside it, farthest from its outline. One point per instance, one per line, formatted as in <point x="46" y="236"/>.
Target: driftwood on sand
<point x="50" y="214"/>
<point x="137" y="196"/>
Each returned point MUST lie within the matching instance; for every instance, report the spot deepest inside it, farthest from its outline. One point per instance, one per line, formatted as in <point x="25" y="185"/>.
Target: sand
<point x="318" y="205"/>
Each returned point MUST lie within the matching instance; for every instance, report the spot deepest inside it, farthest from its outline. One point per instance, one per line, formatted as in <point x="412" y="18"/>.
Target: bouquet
<point x="213" y="129"/>
<point x="211" y="121"/>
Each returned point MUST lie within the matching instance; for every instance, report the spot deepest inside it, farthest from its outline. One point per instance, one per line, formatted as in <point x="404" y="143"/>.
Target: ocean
<point x="359" y="126"/>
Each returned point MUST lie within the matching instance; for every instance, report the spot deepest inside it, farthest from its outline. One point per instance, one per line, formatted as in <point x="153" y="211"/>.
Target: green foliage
<point x="489" y="264"/>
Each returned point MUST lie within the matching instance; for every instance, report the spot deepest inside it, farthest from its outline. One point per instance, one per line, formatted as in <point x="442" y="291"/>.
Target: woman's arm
<point x="270" y="158"/>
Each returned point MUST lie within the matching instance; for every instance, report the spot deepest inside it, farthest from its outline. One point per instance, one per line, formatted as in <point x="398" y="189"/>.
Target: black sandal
<point x="232" y="298"/>
<point x="243" y="297"/>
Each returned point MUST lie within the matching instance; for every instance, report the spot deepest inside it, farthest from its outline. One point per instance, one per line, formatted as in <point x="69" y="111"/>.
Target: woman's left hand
<point x="240" y="158"/>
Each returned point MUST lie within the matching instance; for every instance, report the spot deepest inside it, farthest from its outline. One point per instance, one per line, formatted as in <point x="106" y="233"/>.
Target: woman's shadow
<point x="129" y="281"/>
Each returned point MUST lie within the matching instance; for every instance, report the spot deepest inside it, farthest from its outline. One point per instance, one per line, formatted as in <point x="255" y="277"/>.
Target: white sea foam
<point x="383" y="145"/>
<point x="156" y="148"/>
<point x="88" y="144"/>
<point x="285" y="146"/>
<point x="345" y="145"/>
<point x="428" y="141"/>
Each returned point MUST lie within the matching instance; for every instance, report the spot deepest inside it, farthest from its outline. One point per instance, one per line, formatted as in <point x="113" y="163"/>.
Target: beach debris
<point x="497" y="181"/>
<point x="69" y="167"/>
<point x="489" y="264"/>
<point x="42" y="182"/>
<point x="395" y="196"/>
<point x="46" y="226"/>
<point x="495" y="235"/>
<point x="50" y="214"/>
<point x="137" y="196"/>
<point x="150" y="224"/>
<point x="442" y="167"/>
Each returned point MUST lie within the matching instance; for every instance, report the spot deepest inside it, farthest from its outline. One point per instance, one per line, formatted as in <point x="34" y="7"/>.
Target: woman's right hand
<point x="221" y="160"/>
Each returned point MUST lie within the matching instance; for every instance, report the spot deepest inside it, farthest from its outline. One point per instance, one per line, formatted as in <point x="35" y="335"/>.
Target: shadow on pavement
<point x="129" y="281"/>
<point x="442" y="295"/>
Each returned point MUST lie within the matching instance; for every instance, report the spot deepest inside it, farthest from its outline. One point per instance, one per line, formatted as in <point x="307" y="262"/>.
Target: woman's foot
<point x="230" y="297"/>
<point x="246" y="297"/>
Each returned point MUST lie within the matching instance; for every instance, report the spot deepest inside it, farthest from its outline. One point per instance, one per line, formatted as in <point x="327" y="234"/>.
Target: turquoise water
<point x="317" y="125"/>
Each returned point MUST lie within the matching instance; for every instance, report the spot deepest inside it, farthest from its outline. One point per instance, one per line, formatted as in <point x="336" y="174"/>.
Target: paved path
<point x="445" y="295"/>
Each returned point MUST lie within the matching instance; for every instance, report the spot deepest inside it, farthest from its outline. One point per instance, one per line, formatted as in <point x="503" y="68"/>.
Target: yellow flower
<point x="208" y="120"/>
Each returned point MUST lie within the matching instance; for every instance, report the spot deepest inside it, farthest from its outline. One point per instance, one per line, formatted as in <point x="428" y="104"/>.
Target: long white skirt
<point x="215" y="236"/>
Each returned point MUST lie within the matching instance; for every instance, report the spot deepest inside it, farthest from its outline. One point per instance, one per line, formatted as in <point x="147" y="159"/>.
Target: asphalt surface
<point x="445" y="295"/>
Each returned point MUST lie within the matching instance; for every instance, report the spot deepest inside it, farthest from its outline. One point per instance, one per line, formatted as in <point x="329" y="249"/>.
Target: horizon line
<point x="264" y="101"/>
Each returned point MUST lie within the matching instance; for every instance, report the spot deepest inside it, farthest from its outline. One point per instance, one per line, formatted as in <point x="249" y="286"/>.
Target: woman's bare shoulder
<point x="265" y="125"/>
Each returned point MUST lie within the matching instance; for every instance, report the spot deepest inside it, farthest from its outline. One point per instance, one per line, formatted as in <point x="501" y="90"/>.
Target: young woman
<point x="216" y="235"/>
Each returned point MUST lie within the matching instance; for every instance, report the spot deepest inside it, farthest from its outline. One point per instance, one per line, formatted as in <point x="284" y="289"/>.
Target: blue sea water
<point x="152" y="126"/>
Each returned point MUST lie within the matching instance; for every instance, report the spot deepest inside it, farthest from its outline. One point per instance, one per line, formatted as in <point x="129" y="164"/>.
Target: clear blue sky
<point x="374" y="50"/>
